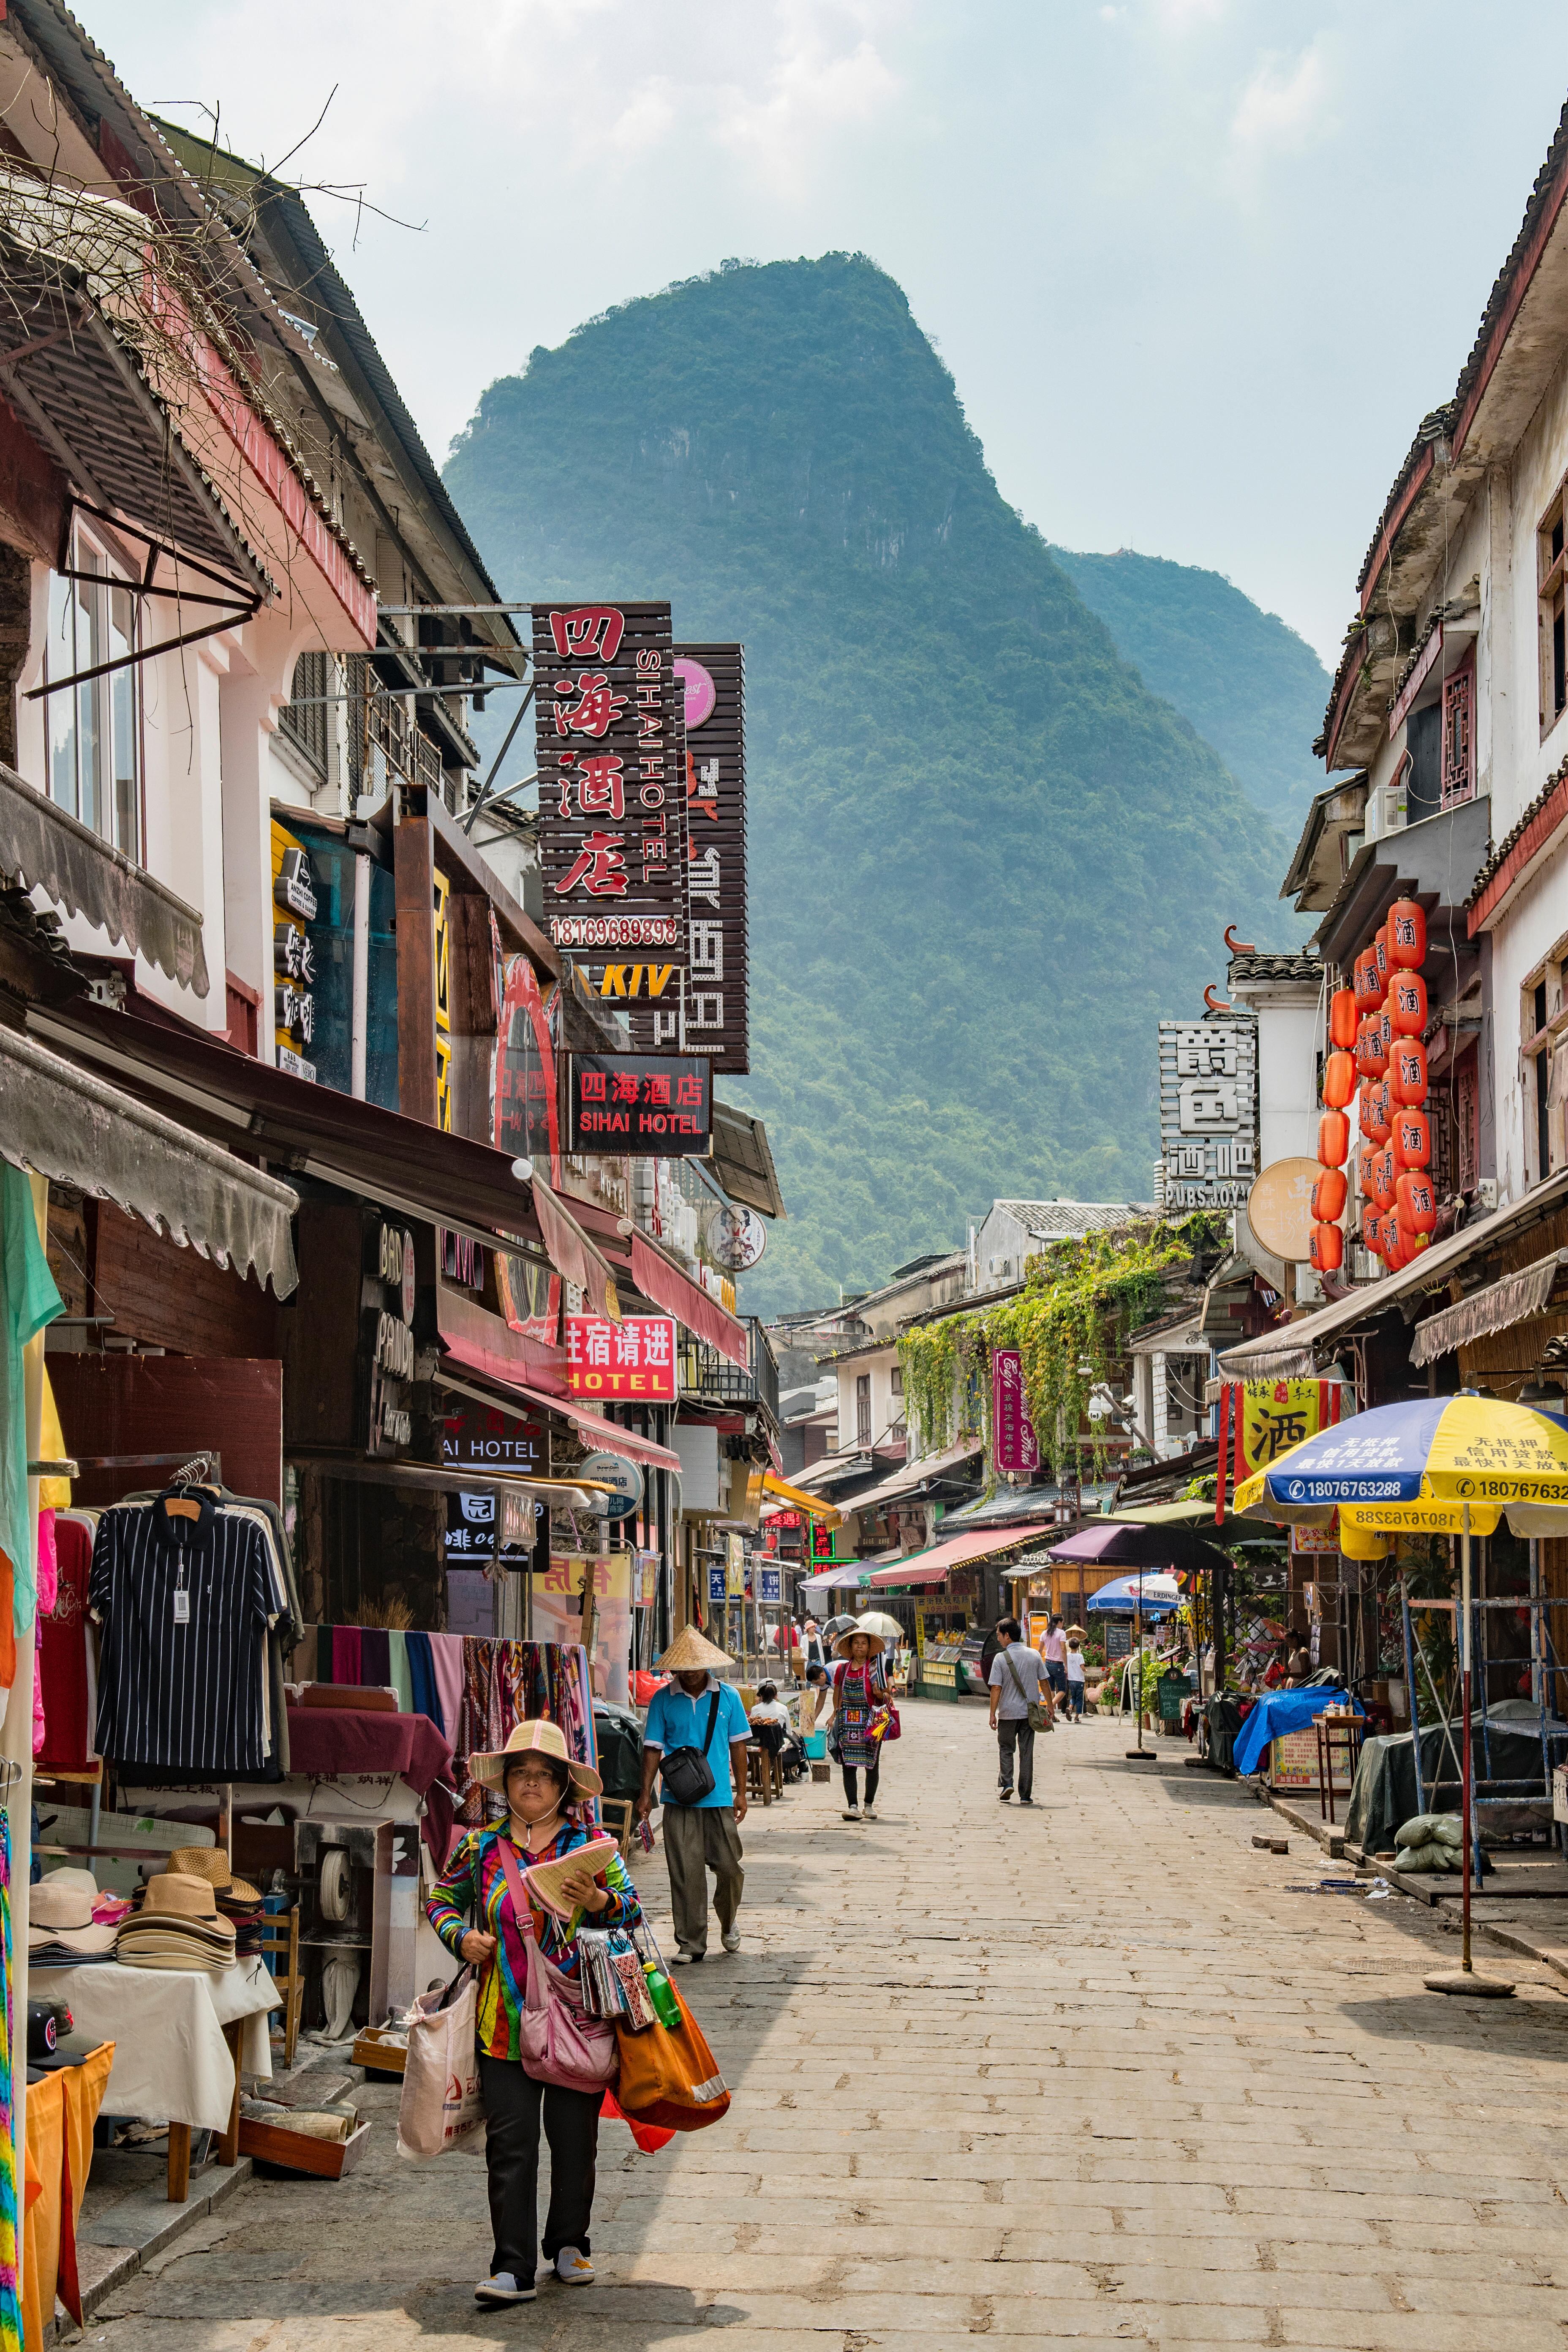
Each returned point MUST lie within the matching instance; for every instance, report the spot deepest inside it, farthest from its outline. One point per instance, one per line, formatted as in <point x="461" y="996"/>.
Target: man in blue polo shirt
<point x="703" y="1837"/>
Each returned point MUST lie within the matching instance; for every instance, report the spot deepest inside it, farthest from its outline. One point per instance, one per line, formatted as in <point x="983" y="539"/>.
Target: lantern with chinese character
<point x="1364" y="1160"/>
<point x="1342" y="1019"/>
<point x="1406" y="935"/>
<point x="1383" y="1175"/>
<point x="1386" y="1033"/>
<point x="1408" y="1004"/>
<point x="1375" y="1053"/>
<point x="1395" y="1255"/>
<point x="1333" y="1139"/>
<point x="1416" y="1202"/>
<point x="1329" y="1196"/>
<point x="1407" y="1078"/>
<point x="1413" y="1139"/>
<point x="1327" y="1249"/>
<point x="1364" y="981"/>
<point x="1380" y="1115"/>
<point x="1339" y="1080"/>
<point x="1380" y="948"/>
<point x="1371" y="1229"/>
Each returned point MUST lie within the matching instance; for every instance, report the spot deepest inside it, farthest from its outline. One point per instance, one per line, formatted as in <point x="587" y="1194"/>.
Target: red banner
<point x="1014" y="1444"/>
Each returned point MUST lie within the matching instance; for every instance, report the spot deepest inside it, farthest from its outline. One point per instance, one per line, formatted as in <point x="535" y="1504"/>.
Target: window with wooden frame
<point x="1460" y="734"/>
<point x="1552" y="577"/>
<point x="1543" y="1067"/>
<point x="863" y="1409"/>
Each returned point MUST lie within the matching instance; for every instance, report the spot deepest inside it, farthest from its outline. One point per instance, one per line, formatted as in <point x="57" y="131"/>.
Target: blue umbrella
<point x="1151" y="1591"/>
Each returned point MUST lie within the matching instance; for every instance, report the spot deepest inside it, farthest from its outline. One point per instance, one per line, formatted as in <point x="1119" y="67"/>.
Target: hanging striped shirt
<point x="180" y="1682"/>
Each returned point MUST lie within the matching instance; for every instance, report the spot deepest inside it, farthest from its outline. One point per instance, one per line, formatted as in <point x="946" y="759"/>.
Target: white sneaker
<point x="573" y="2269"/>
<point x="731" y="1942"/>
<point x="870" y="1814"/>
<point x="502" y="2287"/>
<point x="851" y="1812"/>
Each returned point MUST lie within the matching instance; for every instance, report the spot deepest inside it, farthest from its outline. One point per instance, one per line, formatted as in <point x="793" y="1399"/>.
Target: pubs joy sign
<point x="1208" y="1112"/>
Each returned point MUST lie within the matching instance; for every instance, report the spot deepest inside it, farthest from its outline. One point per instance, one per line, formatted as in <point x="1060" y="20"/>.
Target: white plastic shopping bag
<point x="442" y="2106"/>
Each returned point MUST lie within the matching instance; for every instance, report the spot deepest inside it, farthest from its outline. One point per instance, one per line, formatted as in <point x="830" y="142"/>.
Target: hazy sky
<point x="1198" y="266"/>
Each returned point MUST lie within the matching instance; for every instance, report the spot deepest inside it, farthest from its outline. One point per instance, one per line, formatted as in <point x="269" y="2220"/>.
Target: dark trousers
<point x="699" y="1839"/>
<point x="873" y="1774"/>
<point x="1017" y="1732"/>
<point x="512" y="2104"/>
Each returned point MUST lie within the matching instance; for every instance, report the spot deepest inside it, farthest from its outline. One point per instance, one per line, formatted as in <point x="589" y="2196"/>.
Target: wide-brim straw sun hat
<point x="691" y="1653"/>
<point x="211" y="1862"/>
<point x="870" y="1627"/>
<point x="538" y="1736"/>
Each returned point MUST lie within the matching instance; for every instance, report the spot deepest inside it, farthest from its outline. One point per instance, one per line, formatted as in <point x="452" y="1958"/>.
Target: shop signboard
<point x="770" y="1584"/>
<point x="386" y="1349"/>
<point x="482" y="1437"/>
<point x="633" y="1360"/>
<point x="1293" y="1762"/>
<point x="1315" y="1541"/>
<point x="826" y="1544"/>
<point x="1261" y="1420"/>
<point x="644" y="1578"/>
<point x="1118" y="1640"/>
<point x="653" y="1107"/>
<point x="611" y="795"/>
<point x="556" y="1605"/>
<point x="717" y="1017"/>
<point x="1014" y="1441"/>
<point x="1208" y="1112"/>
<point x="718" y="1584"/>
<point x="294" y="904"/>
<point x="735" y="1568"/>
<point x="474" y="1538"/>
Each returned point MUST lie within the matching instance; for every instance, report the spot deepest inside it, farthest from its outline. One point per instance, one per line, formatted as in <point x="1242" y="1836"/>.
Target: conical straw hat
<point x="690" y="1652"/>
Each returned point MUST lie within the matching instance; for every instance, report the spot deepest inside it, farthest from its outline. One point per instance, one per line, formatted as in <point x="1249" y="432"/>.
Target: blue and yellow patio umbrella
<point x="1437" y="1465"/>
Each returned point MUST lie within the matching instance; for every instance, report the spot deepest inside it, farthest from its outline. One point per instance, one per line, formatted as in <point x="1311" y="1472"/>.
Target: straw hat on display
<point x="178" y="1927"/>
<point x="691" y="1653"/>
<point x="536" y="1737"/>
<point x="59" y="1916"/>
<point x="870" y="1626"/>
<point x="211" y="1862"/>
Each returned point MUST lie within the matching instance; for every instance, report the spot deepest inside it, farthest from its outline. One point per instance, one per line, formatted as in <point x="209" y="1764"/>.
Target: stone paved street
<point x="1101" y="2074"/>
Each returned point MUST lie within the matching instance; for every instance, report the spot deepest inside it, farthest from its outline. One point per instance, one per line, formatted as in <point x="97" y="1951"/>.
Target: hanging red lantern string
<point x="1326" y="1251"/>
<point x="1383" y="1176"/>
<point x="1329" y="1196"/>
<point x="1342" y="1019"/>
<point x="1333" y="1139"/>
<point x="1415" y="1202"/>
<point x="1380" y="950"/>
<point x="1371" y="1229"/>
<point x="1374" y="1055"/>
<point x="1407" y="1078"/>
<point x="1406" y="935"/>
<point x="1380" y="1115"/>
<point x="1408" y="1004"/>
<point x="1413" y="1139"/>
<point x="1365" y="1160"/>
<point x="1339" y="1081"/>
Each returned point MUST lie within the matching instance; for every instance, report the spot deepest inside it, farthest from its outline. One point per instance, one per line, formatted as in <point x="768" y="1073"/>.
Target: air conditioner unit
<point x="998" y="1265"/>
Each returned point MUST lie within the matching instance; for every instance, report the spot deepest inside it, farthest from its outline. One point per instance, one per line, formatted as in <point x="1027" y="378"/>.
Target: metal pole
<point x="1410" y="1693"/>
<point x="1472" y="1846"/>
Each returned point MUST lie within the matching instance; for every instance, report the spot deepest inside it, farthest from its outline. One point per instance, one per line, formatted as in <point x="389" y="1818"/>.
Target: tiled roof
<point x="1275" y="967"/>
<point x="1063" y="1220"/>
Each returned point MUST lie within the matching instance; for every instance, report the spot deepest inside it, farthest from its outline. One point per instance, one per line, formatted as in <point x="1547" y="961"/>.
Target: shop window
<point x="1551" y="576"/>
<point x="95" y="727"/>
<point x="1459" y="735"/>
<point x="305" y="716"/>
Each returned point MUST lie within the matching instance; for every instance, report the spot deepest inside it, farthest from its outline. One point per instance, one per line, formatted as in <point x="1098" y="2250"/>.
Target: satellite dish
<point x="733" y="1239"/>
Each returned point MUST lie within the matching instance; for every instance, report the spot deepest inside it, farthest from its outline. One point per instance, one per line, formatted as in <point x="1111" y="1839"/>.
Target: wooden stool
<point x="627" y="1808"/>
<point x="759" y="1776"/>
<point x="281" y="1935"/>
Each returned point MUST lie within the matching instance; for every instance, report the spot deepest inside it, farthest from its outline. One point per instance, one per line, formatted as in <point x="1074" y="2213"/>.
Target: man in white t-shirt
<point x="1018" y="1683"/>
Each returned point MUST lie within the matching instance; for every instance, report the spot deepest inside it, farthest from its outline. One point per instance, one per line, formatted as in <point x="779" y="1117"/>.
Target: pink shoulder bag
<point x="559" y="2043"/>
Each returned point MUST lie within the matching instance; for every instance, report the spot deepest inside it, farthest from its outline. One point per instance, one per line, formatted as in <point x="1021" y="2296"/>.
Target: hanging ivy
<point x="1082" y="1301"/>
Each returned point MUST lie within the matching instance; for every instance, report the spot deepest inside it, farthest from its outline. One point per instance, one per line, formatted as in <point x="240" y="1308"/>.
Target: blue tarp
<point x="1281" y="1712"/>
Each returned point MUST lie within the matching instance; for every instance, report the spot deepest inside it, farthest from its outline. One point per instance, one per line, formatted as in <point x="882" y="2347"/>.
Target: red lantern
<point x="1363" y="1105"/>
<point x="1413" y="1139"/>
<point x="1380" y="948"/>
<point x="1385" y="1035"/>
<point x="1327" y="1250"/>
<point x="1416" y="1202"/>
<point x="1394" y="1254"/>
<point x="1407" y="1079"/>
<point x="1408" y="1004"/>
<point x="1342" y="1019"/>
<point x="1329" y="1196"/>
<point x="1333" y="1139"/>
<point x="1366" y="1158"/>
<point x="1406" y="935"/>
<point x="1339" y="1080"/>
<point x="1372" y="1230"/>
<point x="1383" y="1175"/>
<point x="1364" y="982"/>
<point x="1380" y="1116"/>
<point x="1375" y="1053"/>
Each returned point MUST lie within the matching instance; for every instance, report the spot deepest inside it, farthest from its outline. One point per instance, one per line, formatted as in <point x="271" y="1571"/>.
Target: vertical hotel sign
<point x="611" y="795"/>
<point x="714" y="680"/>
<point x="1208" y="1112"/>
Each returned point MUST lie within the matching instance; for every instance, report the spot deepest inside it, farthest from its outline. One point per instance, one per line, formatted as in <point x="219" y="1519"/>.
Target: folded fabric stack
<point x="1431" y="1841"/>
<point x="237" y="1901"/>
<point x="62" y="1930"/>
<point x="178" y="1927"/>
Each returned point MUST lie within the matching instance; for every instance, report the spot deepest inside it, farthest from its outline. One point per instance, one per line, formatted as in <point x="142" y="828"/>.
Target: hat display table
<point x="182" y="2038"/>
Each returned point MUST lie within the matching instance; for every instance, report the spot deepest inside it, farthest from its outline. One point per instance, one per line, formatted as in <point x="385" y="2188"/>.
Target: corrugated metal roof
<point x="1066" y="1220"/>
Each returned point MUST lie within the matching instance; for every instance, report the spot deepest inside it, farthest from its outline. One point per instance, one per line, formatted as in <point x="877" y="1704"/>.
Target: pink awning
<point x="931" y="1566"/>
<point x="657" y="1279"/>
<point x="607" y="1435"/>
<point x="570" y="1253"/>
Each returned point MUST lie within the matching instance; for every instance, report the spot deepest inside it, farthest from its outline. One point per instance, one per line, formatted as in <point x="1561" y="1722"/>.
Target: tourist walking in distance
<point x="695" y="1739"/>
<point x="1076" y="1672"/>
<point x="861" y="1713"/>
<point x="1055" y="1655"/>
<point x="543" y="1787"/>
<point x="1020" y="1700"/>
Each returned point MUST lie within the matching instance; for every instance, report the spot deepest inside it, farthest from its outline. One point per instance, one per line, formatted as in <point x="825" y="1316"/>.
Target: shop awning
<point x="1293" y="1350"/>
<point x="1497" y="1308"/>
<point x="822" y="1513"/>
<point x="934" y="1565"/>
<point x="569" y="1249"/>
<point x="849" y="1577"/>
<point x="916" y="1474"/>
<point x="660" y="1279"/>
<point x="56" y="853"/>
<point x="67" y="1124"/>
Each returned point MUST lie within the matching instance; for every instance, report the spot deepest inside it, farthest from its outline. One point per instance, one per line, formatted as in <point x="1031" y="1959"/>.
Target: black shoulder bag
<point x="686" y="1773"/>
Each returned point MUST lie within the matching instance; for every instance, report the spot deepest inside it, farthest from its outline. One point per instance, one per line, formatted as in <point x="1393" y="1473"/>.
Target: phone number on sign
<point x="614" y="931"/>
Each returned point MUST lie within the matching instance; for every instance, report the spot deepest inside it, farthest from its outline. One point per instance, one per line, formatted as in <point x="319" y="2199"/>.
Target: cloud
<point x="1284" y="108"/>
<point x="828" y="74"/>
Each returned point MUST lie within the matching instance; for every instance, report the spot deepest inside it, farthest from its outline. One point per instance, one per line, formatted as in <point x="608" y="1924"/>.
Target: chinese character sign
<point x="634" y="1359"/>
<point x="611" y="793"/>
<point x="768" y="1584"/>
<point x="1208" y="1112"/>
<point x="716" y="1585"/>
<point x="1014" y="1444"/>
<point x="654" y="1106"/>
<point x="1266" y="1418"/>
<point x="714" y="679"/>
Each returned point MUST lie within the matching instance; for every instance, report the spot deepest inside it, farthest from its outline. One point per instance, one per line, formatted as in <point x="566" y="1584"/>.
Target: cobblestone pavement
<point x="1096" y="2074"/>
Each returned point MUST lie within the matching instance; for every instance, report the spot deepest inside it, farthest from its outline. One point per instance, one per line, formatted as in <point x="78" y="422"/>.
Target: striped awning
<point x="1496" y="1308"/>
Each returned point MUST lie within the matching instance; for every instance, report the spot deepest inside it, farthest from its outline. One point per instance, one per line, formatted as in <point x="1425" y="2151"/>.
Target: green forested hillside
<point x="1249" y="685"/>
<point x="984" y="858"/>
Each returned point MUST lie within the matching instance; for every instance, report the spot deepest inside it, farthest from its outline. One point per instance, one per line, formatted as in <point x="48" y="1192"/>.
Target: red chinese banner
<point x="1013" y="1443"/>
<point x="632" y="1360"/>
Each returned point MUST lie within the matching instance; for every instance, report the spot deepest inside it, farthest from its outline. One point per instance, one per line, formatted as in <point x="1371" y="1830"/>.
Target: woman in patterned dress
<point x="860" y="1699"/>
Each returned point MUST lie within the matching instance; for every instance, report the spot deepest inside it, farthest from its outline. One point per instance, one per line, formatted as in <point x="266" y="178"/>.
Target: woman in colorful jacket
<point x="538" y="1781"/>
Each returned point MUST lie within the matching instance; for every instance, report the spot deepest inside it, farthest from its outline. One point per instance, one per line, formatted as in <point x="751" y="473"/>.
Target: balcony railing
<point x="712" y="1379"/>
